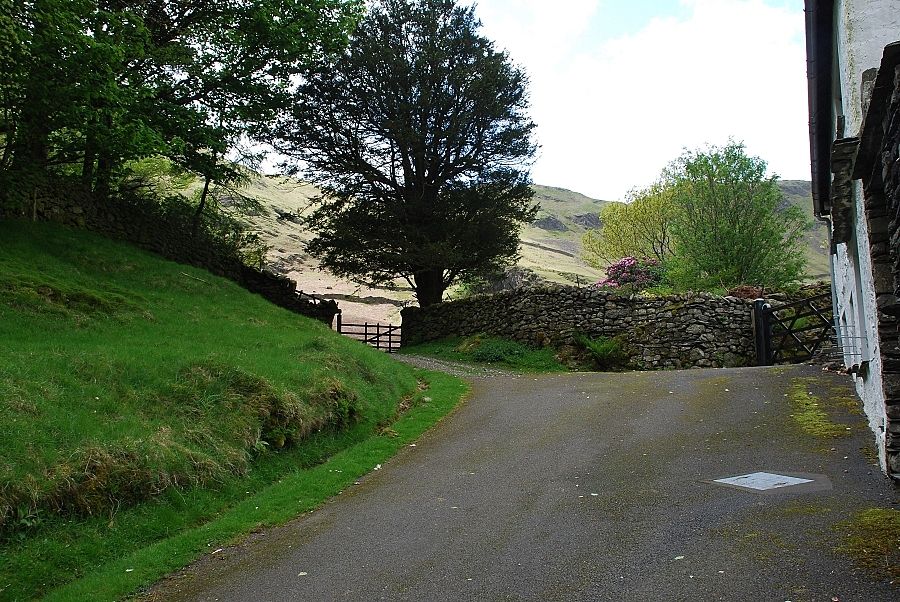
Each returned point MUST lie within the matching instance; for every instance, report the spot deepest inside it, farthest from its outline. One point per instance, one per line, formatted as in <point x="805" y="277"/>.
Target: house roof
<point x="819" y="73"/>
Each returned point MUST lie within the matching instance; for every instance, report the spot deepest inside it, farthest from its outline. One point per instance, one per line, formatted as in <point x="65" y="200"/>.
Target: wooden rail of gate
<point x="792" y="332"/>
<point x="385" y="337"/>
<point x="314" y="299"/>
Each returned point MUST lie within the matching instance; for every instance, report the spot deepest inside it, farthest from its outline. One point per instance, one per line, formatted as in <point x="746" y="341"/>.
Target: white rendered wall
<point x="863" y="29"/>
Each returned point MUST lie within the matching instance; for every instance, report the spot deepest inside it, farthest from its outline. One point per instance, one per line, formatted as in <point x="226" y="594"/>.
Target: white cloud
<point x="612" y="113"/>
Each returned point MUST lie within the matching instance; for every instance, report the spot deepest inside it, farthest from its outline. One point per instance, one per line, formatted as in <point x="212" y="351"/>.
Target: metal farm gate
<point x="792" y="332"/>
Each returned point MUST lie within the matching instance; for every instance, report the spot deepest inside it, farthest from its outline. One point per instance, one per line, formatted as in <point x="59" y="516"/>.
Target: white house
<point x="853" y="52"/>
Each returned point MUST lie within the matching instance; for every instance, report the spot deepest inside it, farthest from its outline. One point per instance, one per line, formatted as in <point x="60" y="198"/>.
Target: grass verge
<point x="141" y="399"/>
<point x="483" y="349"/>
<point x="298" y="492"/>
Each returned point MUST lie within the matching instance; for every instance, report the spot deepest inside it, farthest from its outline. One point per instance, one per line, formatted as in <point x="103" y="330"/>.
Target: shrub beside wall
<point x="678" y="331"/>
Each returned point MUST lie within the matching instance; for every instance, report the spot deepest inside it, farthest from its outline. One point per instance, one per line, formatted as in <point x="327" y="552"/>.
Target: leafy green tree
<point x="641" y="227"/>
<point x="111" y="81"/>
<point x="727" y="225"/>
<point x="419" y="137"/>
<point x="13" y="58"/>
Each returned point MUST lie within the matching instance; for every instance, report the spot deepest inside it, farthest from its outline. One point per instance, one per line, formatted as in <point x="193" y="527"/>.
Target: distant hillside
<point x="553" y="254"/>
<point x="551" y="245"/>
<point x="799" y="194"/>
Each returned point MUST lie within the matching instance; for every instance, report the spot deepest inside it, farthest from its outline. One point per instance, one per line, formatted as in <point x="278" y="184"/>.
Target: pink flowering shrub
<point x="638" y="273"/>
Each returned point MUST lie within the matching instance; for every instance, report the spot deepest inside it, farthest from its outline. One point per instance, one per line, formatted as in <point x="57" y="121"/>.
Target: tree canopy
<point x="640" y="227"/>
<point x="419" y="137"/>
<point x="89" y="85"/>
<point x="715" y="220"/>
<point x="728" y="227"/>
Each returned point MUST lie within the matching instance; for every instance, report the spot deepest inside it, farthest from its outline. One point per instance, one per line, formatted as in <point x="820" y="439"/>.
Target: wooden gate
<point x="385" y="337"/>
<point x="792" y="332"/>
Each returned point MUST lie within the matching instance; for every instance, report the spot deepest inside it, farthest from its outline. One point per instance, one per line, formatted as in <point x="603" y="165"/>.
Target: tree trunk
<point x="90" y="156"/>
<point x="104" y="177"/>
<point x="87" y="167"/>
<point x="9" y="137"/>
<point x="31" y="146"/>
<point x="429" y="287"/>
<point x="198" y="214"/>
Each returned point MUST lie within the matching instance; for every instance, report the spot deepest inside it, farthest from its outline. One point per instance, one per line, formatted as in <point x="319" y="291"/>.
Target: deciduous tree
<point x="727" y="225"/>
<point x="641" y="227"/>
<point x="97" y="83"/>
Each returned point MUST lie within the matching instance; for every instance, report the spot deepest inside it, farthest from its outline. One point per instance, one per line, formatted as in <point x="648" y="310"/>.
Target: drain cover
<point x="762" y="481"/>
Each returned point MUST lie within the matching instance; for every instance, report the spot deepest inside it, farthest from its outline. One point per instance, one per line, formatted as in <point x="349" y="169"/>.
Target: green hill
<point x="550" y="246"/>
<point x="799" y="194"/>
<point x="140" y="398"/>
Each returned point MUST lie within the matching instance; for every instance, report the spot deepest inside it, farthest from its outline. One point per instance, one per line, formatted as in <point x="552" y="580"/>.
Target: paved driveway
<point x="586" y="487"/>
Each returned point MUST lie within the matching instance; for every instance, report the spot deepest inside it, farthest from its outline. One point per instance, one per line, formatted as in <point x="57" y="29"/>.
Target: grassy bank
<point x="141" y="399"/>
<point x="483" y="349"/>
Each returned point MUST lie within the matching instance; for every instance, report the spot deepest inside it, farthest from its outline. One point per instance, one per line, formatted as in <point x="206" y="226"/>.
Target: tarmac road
<point x="585" y="487"/>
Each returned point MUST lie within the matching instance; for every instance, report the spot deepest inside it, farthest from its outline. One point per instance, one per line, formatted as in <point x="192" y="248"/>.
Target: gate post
<point x="337" y="317"/>
<point x="762" y="332"/>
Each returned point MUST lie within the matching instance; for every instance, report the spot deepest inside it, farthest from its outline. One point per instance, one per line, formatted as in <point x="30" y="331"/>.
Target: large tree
<point x="419" y="137"/>
<point x="727" y="224"/>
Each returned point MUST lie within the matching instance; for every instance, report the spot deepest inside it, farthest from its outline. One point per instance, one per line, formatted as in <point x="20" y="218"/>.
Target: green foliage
<point x="483" y="349"/>
<point x="419" y="138"/>
<point x="128" y="378"/>
<point x="491" y="351"/>
<point x="727" y="226"/>
<point x="606" y="353"/>
<point x="89" y="86"/>
<point x="641" y="227"/>
<point x="714" y="221"/>
<point x="159" y="175"/>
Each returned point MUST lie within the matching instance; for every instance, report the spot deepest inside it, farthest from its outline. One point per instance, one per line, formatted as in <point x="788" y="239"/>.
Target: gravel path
<point x="454" y="368"/>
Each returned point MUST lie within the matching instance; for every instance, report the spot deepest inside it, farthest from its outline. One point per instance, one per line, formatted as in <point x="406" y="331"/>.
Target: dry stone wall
<point x="678" y="331"/>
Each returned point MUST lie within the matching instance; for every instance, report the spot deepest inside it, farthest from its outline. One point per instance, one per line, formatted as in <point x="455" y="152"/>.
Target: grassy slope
<point x="799" y="194"/>
<point x="125" y="378"/>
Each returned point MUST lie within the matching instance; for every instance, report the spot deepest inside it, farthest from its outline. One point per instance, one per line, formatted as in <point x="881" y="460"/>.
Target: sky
<point x="620" y="88"/>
